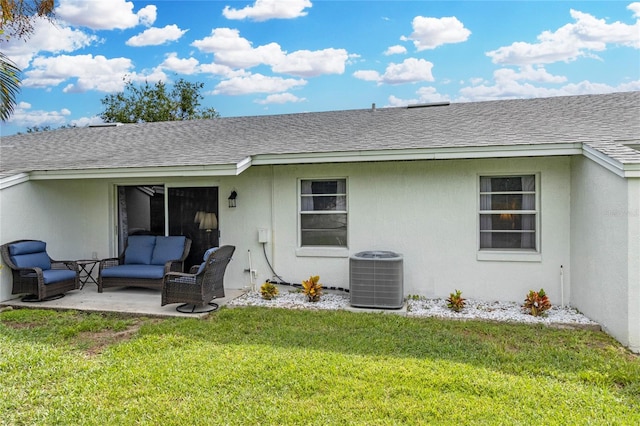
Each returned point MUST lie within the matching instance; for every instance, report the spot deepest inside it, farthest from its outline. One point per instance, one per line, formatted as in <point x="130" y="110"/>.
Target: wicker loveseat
<point x="35" y="273"/>
<point x="144" y="261"/>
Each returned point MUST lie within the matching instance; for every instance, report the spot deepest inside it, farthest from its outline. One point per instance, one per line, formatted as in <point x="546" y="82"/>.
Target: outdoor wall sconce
<point x="232" y="199"/>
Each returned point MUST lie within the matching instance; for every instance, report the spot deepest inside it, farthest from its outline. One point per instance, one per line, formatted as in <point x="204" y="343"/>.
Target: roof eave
<point x="625" y="170"/>
<point x="449" y="153"/>
<point x="232" y="169"/>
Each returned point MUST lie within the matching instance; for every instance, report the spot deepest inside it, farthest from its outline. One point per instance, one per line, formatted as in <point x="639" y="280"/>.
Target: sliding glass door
<point x="193" y="212"/>
<point x="160" y="210"/>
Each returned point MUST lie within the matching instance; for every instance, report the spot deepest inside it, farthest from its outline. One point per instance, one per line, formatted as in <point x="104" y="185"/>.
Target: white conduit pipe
<point x="251" y="272"/>
<point x="561" y="286"/>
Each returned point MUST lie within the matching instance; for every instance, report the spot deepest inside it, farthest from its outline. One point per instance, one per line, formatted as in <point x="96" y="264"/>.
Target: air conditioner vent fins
<point x="376" y="280"/>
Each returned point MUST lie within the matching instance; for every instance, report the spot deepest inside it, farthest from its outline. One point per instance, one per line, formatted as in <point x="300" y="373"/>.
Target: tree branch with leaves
<point x="16" y="21"/>
<point x="148" y="103"/>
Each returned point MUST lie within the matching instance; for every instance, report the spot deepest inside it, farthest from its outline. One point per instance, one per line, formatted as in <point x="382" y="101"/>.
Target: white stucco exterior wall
<point x="428" y="212"/>
<point x="604" y="249"/>
<point x="425" y="210"/>
<point x="633" y="211"/>
<point x="70" y="216"/>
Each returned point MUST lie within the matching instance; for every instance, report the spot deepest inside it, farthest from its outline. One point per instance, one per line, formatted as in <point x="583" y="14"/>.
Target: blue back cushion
<point x="205" y="257"/>
<point x="166" y="249"/>
<point x="26" y="247"/>
<point x="30" y="254"/>
<point x="139" y="249"/>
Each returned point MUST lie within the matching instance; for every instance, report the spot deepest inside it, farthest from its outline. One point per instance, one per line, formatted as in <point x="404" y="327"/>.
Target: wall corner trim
<point x="9" y="181"/>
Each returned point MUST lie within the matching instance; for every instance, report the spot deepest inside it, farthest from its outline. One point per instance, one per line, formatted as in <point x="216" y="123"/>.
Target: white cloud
<point x="571" y="41"/>
<point x="24" y="116"/>
<point x="397" y="102"/>
<point x="222" y="70"/>
<point x="267" y="54"/>
<point x="181" y="66"/>
<point x="280" y="98"/>
<point x="263" y="10"/>
<point x="429" y="33"/>
<point x="411" y="70"/>
<point x="305" y="63"/>
<point x="513" y="88"/>
<point x="234" y="51"/>
<point x="46" y="37"/>
<point x="395" y="50"/>
<point x="529" y="73"/>
<point x="425" y="94"/>
<point x="367" y="75"/>
<point x="147" y="15"/>
<point x="86" y="121"/>
<point x="222" y="39"/>
<point x="156" y="36"/>
<point x="105" y="15"/>
<point x="635" y="8"/>
<point x="89" y="72"/>
<point x="256" y="83"/>
<point x="237" y="52"/>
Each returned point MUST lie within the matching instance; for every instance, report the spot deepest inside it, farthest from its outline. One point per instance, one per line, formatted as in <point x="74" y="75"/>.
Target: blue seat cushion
<point x="134" y="271"/>
<point x="167" y="248"/>
<point x="32" y="260"/>
<point x="56" y="275"/>
<point x="139" y="249"/>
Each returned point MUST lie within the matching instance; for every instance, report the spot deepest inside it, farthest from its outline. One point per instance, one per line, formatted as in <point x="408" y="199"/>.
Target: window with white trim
<point x="508" y="213"/>
<point x="323" y="213"/>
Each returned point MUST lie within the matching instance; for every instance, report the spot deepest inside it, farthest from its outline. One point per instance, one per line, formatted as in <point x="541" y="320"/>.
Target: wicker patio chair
<point x="35" y="274"/>
<point x="205" y="282"/>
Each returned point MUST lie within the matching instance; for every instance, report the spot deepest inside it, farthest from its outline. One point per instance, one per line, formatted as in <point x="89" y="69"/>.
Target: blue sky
<point x="287" y="56"/>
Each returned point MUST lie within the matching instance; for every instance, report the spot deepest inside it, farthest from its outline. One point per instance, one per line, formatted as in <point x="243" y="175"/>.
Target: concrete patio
<point x="124" y="300"/>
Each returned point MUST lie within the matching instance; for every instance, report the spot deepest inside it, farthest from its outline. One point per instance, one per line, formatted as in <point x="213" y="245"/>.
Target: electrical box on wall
<point x="263" y="235"/>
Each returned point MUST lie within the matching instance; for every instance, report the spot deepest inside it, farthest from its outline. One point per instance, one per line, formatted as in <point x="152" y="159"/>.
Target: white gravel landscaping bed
<point x="492" y="311"/>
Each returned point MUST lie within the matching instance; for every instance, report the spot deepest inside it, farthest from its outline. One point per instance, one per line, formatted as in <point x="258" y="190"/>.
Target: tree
<point x="147" y="103"/>
<point x="16" y="20"/>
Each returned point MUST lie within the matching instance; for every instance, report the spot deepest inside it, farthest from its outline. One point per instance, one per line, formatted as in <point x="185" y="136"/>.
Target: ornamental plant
<point x="455" y="302"/>
<point x="268" y="291"/>
<point x="536" y="302"/>
<point x="312" y="288"/>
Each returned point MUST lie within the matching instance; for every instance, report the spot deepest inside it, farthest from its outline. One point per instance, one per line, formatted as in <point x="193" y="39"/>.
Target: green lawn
<point x="249" y="366"/>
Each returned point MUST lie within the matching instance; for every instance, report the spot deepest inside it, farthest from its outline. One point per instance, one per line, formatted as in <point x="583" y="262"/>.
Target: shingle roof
<point x="604" y="122"/>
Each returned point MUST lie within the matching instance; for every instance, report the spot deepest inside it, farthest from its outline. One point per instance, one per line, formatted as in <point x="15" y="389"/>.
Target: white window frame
<point x="322" y="250"/>
<point x="510" y="254"/>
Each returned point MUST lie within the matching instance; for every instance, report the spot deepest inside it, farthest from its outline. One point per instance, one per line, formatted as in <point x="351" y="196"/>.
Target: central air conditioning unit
<point x="376" y="280"/>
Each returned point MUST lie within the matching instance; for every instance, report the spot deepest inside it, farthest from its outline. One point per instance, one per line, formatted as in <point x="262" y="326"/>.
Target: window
<point x="323" y="213"/>
<point x="508" y="212"/>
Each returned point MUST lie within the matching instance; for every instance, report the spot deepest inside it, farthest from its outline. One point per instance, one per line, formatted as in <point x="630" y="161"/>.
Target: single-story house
<point x="493" y="198"/>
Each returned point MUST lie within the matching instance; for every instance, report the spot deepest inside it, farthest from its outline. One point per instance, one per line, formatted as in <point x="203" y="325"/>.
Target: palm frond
<point x="9" y="86"/>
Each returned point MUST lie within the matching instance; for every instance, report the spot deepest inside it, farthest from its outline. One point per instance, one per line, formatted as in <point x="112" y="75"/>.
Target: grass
<point x="250" y="366"/>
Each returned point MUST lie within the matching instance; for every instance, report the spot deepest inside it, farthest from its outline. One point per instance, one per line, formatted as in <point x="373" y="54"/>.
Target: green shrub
<point x="455" y="302"/>
<point x="536" y="302"/>
<point x="268" y="291"/>
<point x="312" y="288"/>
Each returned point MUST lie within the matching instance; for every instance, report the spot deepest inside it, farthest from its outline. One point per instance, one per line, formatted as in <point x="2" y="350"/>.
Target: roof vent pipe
<point x="373" y="107"/>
